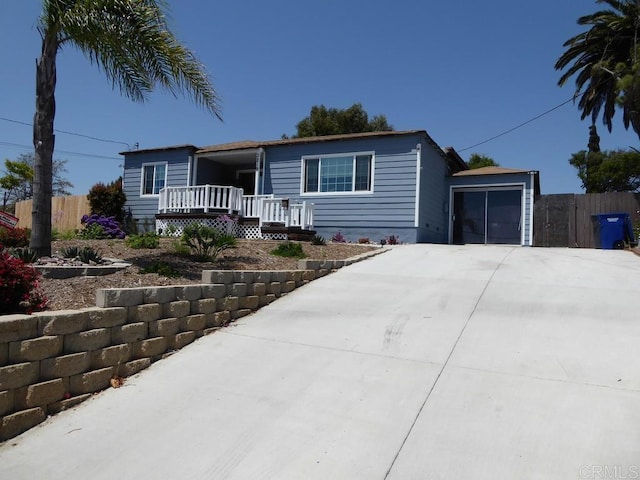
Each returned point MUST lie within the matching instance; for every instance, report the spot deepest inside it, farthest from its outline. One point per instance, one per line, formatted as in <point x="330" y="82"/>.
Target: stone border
<point x="53" y="360"/>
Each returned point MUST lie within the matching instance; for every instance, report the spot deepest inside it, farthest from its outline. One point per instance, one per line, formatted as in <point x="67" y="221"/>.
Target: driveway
<point x="427" y="362"/>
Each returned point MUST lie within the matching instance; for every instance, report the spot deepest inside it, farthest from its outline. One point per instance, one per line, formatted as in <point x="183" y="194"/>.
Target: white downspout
<point x="259" y="176"/>
<point x="263" y="165"/>
<point x="531" y="206"/>
<point x="189" y="170"/>
<point x="416" y="222"/>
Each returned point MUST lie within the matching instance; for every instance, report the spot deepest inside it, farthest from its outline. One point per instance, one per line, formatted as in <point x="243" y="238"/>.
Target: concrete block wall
<point x="51" y="361"/>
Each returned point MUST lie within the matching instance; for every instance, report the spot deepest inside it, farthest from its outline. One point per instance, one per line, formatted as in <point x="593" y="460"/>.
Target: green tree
<point x="18" y="176"/>
<point x="477" y="160"/>
<point x="333" y="121"/>
<point x="130" y="41"/>
<point x="605" y="62"/>
<point x="608" y="171"/>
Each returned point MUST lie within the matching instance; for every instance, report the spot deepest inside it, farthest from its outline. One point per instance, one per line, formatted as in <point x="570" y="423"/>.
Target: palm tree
<point x="606" y="63"/>
<point x="131" y="42"/>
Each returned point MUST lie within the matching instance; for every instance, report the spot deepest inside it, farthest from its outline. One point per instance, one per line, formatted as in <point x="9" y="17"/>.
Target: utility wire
<point x="521" y="124"/>
<point x="68" y="133"/>
<point x="66" y="152"/>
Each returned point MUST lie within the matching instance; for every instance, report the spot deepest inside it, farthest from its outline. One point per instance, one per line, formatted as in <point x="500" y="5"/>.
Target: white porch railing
<point x="200" y="197"/>
<point x="279" y="210"/>
<point x="252" y="205"/>
<point x="231" y="199"/>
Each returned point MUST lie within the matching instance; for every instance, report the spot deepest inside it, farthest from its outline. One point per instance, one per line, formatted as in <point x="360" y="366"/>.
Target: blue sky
<point x="463" y="70"/>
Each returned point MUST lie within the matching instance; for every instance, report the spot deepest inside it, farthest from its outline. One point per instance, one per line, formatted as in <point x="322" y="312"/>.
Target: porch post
<point x="207" y="193"/>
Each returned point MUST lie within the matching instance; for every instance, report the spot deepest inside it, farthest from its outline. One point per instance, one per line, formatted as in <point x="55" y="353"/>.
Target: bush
<point x="69" y="252"/>
<point x="318" y="240"/>
<point x="97" y="227"/>
<point x="338" y="238"/>
<point x="206" y="243"/>
<point x="145" y="240"/>
<point x="18" y="237"/>
<point x="364" y="240"/>
<point x="289" y="249"/>
<point x="25" y="254"/>
<point x="89" y="255"/>
<point x="108" y="200"/>
<point x="19" y="290"/>
<point x="161" y="268"/>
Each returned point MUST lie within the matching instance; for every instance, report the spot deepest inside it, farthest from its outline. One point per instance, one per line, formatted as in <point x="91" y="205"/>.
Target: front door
<point x="487" y="216"/>
<point x="246" y="179"/>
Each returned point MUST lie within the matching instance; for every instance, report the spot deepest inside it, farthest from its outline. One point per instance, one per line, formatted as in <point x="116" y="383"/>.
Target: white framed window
<point x="338" y="174"/>
<point x="154" y="178"/>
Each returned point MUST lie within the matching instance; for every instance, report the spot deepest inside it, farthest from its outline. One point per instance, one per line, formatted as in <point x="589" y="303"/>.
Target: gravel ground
<point x="79" y="292"/>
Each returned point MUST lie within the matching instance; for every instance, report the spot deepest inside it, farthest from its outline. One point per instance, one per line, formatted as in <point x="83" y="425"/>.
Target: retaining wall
<point x="51" y="361"/>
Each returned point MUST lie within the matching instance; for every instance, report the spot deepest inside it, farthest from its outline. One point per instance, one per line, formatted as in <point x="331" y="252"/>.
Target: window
<point x="337" y="173"/>
<point x="154" y="178"/>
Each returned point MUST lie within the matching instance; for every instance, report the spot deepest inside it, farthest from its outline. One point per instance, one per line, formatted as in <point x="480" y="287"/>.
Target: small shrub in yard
<point x="338" y="238"/>
<point x="364" y="240"/>
<point x="206" y="243"/>
<point x="25" y="254"/>
<point x="18" y="237"/>
<point x="88" y="255"/>
<point x="161" y="268"/>
<point x="391" y="240"/>
<point x="318" y="240"/>
<point x="69" y="252"/>
<point x="98" y="227"/>
<point x="289" y="249"/>
<point x="145" y="240"/>
<point x="19" y="289"/>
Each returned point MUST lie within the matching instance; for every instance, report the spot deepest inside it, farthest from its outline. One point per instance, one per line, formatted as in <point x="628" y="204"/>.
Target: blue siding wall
<point x="390" y="209"/>
<point x="434" y="197"/>
<point x="505" y="180"/>
<point x="145" y="208"/>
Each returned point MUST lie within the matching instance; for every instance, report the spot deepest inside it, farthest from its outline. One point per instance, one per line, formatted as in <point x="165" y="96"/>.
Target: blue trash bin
<point x="612" y="230"/>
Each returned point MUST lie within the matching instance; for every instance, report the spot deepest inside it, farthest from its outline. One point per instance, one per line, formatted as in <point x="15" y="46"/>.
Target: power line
<point x="67" y="132"/>
<point x="523" y="123"/>
<point x="65" y="152"/>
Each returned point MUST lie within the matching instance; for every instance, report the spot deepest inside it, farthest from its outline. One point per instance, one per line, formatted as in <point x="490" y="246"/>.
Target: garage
<point x="492" y="205"/>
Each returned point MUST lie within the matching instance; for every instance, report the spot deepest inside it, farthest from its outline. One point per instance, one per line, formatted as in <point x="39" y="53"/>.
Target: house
<point x="367" y="185"/>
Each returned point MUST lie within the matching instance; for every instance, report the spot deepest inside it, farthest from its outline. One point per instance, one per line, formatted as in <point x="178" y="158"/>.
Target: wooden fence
<point x="66" y="212"/>
<point x="564" y="220"/>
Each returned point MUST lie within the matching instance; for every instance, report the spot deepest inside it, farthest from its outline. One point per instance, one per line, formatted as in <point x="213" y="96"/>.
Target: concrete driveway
<point x="427" y="362"/>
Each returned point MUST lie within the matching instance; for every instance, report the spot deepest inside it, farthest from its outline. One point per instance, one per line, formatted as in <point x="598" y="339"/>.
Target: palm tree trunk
<point x="44" y="142"/>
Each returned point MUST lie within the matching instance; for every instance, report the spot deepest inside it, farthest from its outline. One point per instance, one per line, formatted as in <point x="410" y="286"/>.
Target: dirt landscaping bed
<point x="79" y="292"/>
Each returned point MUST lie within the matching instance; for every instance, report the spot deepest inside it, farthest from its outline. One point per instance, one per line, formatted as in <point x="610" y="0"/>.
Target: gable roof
<point x="489" y="171"/>
<point x="225" y="147"/>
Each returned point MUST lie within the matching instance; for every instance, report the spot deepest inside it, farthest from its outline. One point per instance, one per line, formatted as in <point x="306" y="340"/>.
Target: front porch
<point x="228" y="209"/>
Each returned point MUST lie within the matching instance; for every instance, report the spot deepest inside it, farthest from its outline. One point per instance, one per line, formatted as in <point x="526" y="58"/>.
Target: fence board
<point x="66" y="212"/>
<point x="564" y="220"/>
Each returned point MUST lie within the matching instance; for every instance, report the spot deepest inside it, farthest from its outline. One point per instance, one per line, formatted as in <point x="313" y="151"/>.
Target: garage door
<point x="487" y="216"/>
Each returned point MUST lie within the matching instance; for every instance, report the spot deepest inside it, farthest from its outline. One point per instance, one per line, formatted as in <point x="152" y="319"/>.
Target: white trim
<point x="532" y="209"/>
<point x="189" y="166"/>
<point x="153" y="164"/>
<point x="416" y="222"/>
<point x="304" y="158"/>
<point x="263" y="171"/>
<point x="486" y="187"/>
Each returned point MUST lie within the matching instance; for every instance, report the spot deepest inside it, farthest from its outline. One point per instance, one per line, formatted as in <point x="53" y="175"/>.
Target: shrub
<point x="318" y="240"/>
<point x="88" y="255"/>
<point x="63" y="235"/>
<point x="108" y="200"/>
<point x="364" y="240"/>
<point x="161" y="268"/>
<point x="393" y="240"/>
<point x="338" y="238"/>
<point x="289" y="249"/>
<point x="98" y="227"/>
<point x="145" y="240"/>
<point x="13" y="238"/>
<point x="206" y="243"/>
<point x="69" y="252"/>
<point x="25" y="254"/>
<point x="19" y="290"/>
